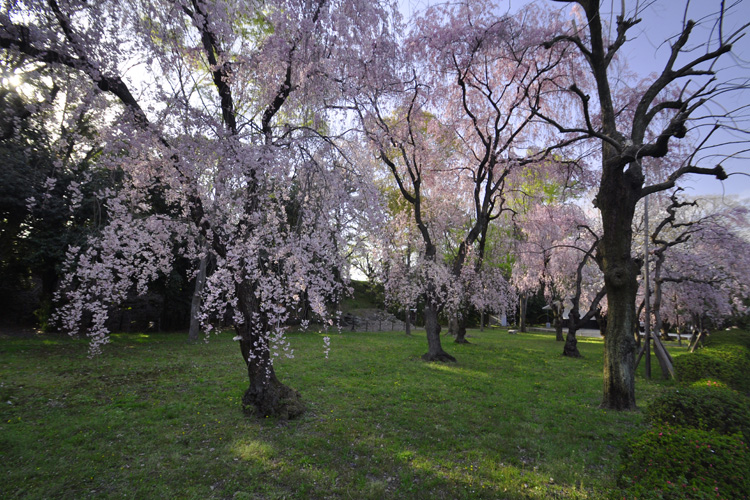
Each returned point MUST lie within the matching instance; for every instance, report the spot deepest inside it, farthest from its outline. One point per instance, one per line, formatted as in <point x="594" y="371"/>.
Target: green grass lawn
<point x="155" y="417"/>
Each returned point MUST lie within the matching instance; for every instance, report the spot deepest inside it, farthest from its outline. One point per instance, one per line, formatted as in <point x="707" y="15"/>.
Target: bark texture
<point x="195" y="305"/>
<point x="571" y="342"/>
<point x="620" y="276"/>
<point x="617" y="197"/>
<point x="435" y="351"/>
<point x="522" y="312"/>
<point x="461" y="329"/>
<point x="266" y="395"/>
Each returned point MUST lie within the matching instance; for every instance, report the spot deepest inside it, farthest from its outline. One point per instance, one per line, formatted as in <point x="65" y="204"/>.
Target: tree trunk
<point x="461" y="329"/>
<point x="557" y="320"/>
<point x="435" y="351"/>
<point x="619" y="349"/>
<point x="195" y="305"/>
<point x="452" y="325"/>
<point x="601" y="322"/>
<point x="266" y="395"/>
<point x="616" y="200"/>
<point x="571" y="343"/>
<point x="407" y="323"/>
<point x="522" y="313"/>
<point x="481" y="320"/>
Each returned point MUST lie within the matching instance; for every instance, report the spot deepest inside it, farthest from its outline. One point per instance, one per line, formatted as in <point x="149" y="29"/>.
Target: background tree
<point x="48" y="182"/>
<point x="491" y="292"/>
<point x="398" y="257"/>
<point x="556" y="255"/>
<point x="700" y="264"/>
<point x="466" y="76"/>
<point x="406" y="147"/>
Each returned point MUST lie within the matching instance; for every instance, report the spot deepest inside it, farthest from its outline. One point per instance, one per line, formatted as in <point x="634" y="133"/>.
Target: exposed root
<point x="442" y="356"/>
<point x="276" y="400"/>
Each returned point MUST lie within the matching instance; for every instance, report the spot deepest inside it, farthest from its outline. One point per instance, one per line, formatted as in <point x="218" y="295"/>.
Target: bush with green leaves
<point x="730" y="337"/>
<point x="725" y="358"/>
<point x="707" y="407"/>
<point x="677" y="463"/>
<point x="707" y="382"/>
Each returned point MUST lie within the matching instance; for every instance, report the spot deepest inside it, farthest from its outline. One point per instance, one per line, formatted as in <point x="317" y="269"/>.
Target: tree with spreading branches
<point x="220" y="112"/>
<point x="456" y="118"/>
<point x="701" y="261"/>
<point x="634" y="121"/>
<point x="556" y="254"/>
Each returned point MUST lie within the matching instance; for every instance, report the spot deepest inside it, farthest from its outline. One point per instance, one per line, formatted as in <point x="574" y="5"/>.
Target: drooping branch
<point x="109" y="83"/>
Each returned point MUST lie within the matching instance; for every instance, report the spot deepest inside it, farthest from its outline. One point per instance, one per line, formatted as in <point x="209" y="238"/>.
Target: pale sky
<point x="646" y="52"/>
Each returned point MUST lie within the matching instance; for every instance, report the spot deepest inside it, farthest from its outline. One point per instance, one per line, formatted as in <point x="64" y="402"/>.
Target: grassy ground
<point x="154" y="417"/>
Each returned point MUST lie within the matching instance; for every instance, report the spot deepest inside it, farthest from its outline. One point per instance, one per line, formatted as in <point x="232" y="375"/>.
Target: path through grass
<point x="154" y="417"/>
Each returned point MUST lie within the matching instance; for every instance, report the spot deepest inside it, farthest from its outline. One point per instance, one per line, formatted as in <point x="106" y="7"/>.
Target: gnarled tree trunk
<point x="435" y="351"/>
<point x="557" y="320"/>
<point x="266" y="395"/>
<point x="195" y="305"/>
<point x="617" y="197"/>
<point x="571" y="343"/>
<point x="461" y="329"/>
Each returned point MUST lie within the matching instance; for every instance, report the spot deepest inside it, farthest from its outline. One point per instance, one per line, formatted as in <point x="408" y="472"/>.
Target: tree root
<point x="443" y="357"/>
<point x="276" y="400"/>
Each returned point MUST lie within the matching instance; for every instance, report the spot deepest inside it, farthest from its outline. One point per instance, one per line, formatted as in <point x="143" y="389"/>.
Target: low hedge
<point x="708" y="407"/>
<point x="707" y="382"/>
<point x="726" y="358"/>
<point x="684" y="463"/>
<point x="729" y="337"/>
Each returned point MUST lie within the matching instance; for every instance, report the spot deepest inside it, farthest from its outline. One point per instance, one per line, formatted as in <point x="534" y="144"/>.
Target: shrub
<point x="726" y="358"/>
<point x="708" y="407"/>
<point x="731" y="337"/>
<point x="683" y="463"/>
<point x="707" y="382"/>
